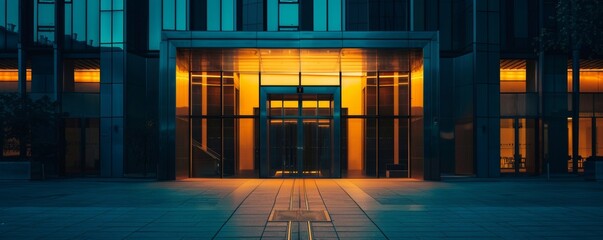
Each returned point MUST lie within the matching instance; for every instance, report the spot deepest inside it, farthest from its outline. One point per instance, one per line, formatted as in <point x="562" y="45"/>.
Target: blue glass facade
<point x="173" y="88"/>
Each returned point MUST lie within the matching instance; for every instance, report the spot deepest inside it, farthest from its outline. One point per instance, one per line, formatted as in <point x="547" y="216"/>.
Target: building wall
<point x="124" y="37"/>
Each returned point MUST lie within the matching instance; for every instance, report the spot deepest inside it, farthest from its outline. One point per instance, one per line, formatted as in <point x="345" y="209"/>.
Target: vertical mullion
<point x="377" y="124"/>
<point x="221" y="121"/>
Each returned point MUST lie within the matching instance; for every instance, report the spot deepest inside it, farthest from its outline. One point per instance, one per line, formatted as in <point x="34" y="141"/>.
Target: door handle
<point x="300" y="148"/>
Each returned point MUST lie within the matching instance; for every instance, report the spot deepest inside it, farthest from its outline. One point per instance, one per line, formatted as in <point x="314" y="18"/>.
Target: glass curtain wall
<point x="590" y="124"/>
<point x="217" y="125"/>
<point x="9" y="24"/>
<point x="518" y="123"/>
<point x="82" y="24"/>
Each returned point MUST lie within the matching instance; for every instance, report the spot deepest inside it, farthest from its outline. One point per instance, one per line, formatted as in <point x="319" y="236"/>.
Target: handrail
<point x="205" y="148"/>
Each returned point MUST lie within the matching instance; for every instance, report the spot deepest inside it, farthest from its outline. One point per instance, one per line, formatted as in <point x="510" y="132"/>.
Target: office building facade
<point x="173" y="89"/>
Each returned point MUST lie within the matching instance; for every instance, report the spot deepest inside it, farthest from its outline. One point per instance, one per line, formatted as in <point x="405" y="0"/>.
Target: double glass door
<point x="518" y="146"/>
<point x="300" y="135"/>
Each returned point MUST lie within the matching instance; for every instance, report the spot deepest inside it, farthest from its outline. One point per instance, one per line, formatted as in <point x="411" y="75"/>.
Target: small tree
<point x="578" y="32"/>
<point x="31" y="123"/>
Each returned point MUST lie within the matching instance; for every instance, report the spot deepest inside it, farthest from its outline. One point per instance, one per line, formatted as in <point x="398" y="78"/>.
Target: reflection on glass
<point x="380" y="135"/>
<point x="599" y="122"/>
<point x="82" y="147"/>
<point x="517" y="151"/>
<point x="288" y="15"/>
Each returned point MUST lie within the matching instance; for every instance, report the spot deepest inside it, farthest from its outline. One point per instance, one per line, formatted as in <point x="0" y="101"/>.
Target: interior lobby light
<point x="87" y="75"/>
<point x="12" y="75"/>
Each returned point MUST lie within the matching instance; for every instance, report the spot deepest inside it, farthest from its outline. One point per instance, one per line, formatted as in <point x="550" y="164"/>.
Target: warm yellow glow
<point x="512" y="80"/>
<point x="276" y="104"/>
<point x="290" y="104"/>
<point x="324" y="104"/>
<point x="86" y="76"/>
<point x="416" y="99"/>
<point x="284" y="79"/>
<point x="182" y="81"/>
<point x="246" y="143"/>
<point x="320" y="79"/>
<point x="281" y="172"/>
<point x="590" y="80"/>
<point x="585" y="140"/>
<point x="309" y="104"/>
<point x="249" y="92"/>
<point x="351" y="98"/>
<point x="12" y="75"/>
<point x="355" y="143"/>
<point x="513" y="75"/>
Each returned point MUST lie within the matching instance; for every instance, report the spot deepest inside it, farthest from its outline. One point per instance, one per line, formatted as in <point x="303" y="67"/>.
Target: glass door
<point x="517" y="146"/>
<point x="299" y="135"/>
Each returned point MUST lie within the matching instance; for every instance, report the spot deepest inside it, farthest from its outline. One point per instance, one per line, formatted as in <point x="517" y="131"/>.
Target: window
<point x="82" y="24"/>
<point x="44" y="23"/>
<point x="9" y="24"/>
<point x="377" y="15"/>
<point x="250" y="15"/>
<point x="288" y="13"/>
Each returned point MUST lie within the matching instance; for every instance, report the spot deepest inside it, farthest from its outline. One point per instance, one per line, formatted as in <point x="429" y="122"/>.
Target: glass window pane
<point x="68" y="20"/>
<point x="118" y="26"/>
<point x="356" y="15"/>
<point x="79" y="26"/>
<point x="106" y="5"/>
<point x="45" y="14"/>
<point x="12" y="15"/>
<point x="320" y="15"/>
<point x="599" y="137"/>
<point x="334" y="15"/>
<point x="93" y="23"/>
<point x="117" y="4"/>
<point x="249" y="92"/>
<point x="105" y="27"/>
<point x="169" y="11"/>
<point x="181" y="15"/>
<point x="228" y="15"/>
<point x="3" y="11"/>
<point x="154" y="24"/>
<point x="213" y="15"/>
<point x="288" y="15"/>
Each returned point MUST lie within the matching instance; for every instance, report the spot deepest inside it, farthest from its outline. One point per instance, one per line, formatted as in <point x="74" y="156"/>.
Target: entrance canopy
<point x="346" y="60"/>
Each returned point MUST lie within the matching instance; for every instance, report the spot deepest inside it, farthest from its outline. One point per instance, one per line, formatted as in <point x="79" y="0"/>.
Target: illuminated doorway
<point x="373" y="125"/>
<point x="518" y="146"/>
<point x="300" y="132"/>
<point x="590" y="142"/>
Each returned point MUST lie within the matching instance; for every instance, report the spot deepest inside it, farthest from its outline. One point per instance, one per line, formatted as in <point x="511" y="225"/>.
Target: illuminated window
<point x="591" y="80"/>
<point x="86" y="80"/>
<point x="512" y="76"/>
<point x="9" y="80"/>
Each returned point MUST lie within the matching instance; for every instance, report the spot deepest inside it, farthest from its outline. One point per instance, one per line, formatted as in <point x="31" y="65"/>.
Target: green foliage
<point x="31" y="123"/>
<point x="576" y="24"/>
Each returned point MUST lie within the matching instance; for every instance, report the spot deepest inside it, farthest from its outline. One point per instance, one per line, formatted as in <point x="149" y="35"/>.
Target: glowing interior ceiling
<point x="300" y="60"/>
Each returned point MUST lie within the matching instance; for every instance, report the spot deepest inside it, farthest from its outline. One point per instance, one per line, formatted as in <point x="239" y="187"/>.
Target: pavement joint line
<point x="326" y="209"/>
<point x="273" y="204"/>
<point x="365" y="214"/>
<point x="258" y="183"/>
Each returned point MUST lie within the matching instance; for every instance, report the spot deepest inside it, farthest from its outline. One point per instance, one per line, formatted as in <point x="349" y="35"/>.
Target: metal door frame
<point x="335" y="91"/>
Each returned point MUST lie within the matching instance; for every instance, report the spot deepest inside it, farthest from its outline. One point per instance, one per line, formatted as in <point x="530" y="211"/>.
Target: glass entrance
<point x="299" y="131"/>
<point x="517" y="146"/>
<point x="300" y="135"/>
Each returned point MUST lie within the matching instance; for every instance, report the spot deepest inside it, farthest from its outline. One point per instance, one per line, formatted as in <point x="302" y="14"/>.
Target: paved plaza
<point x="357" y="209"/>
